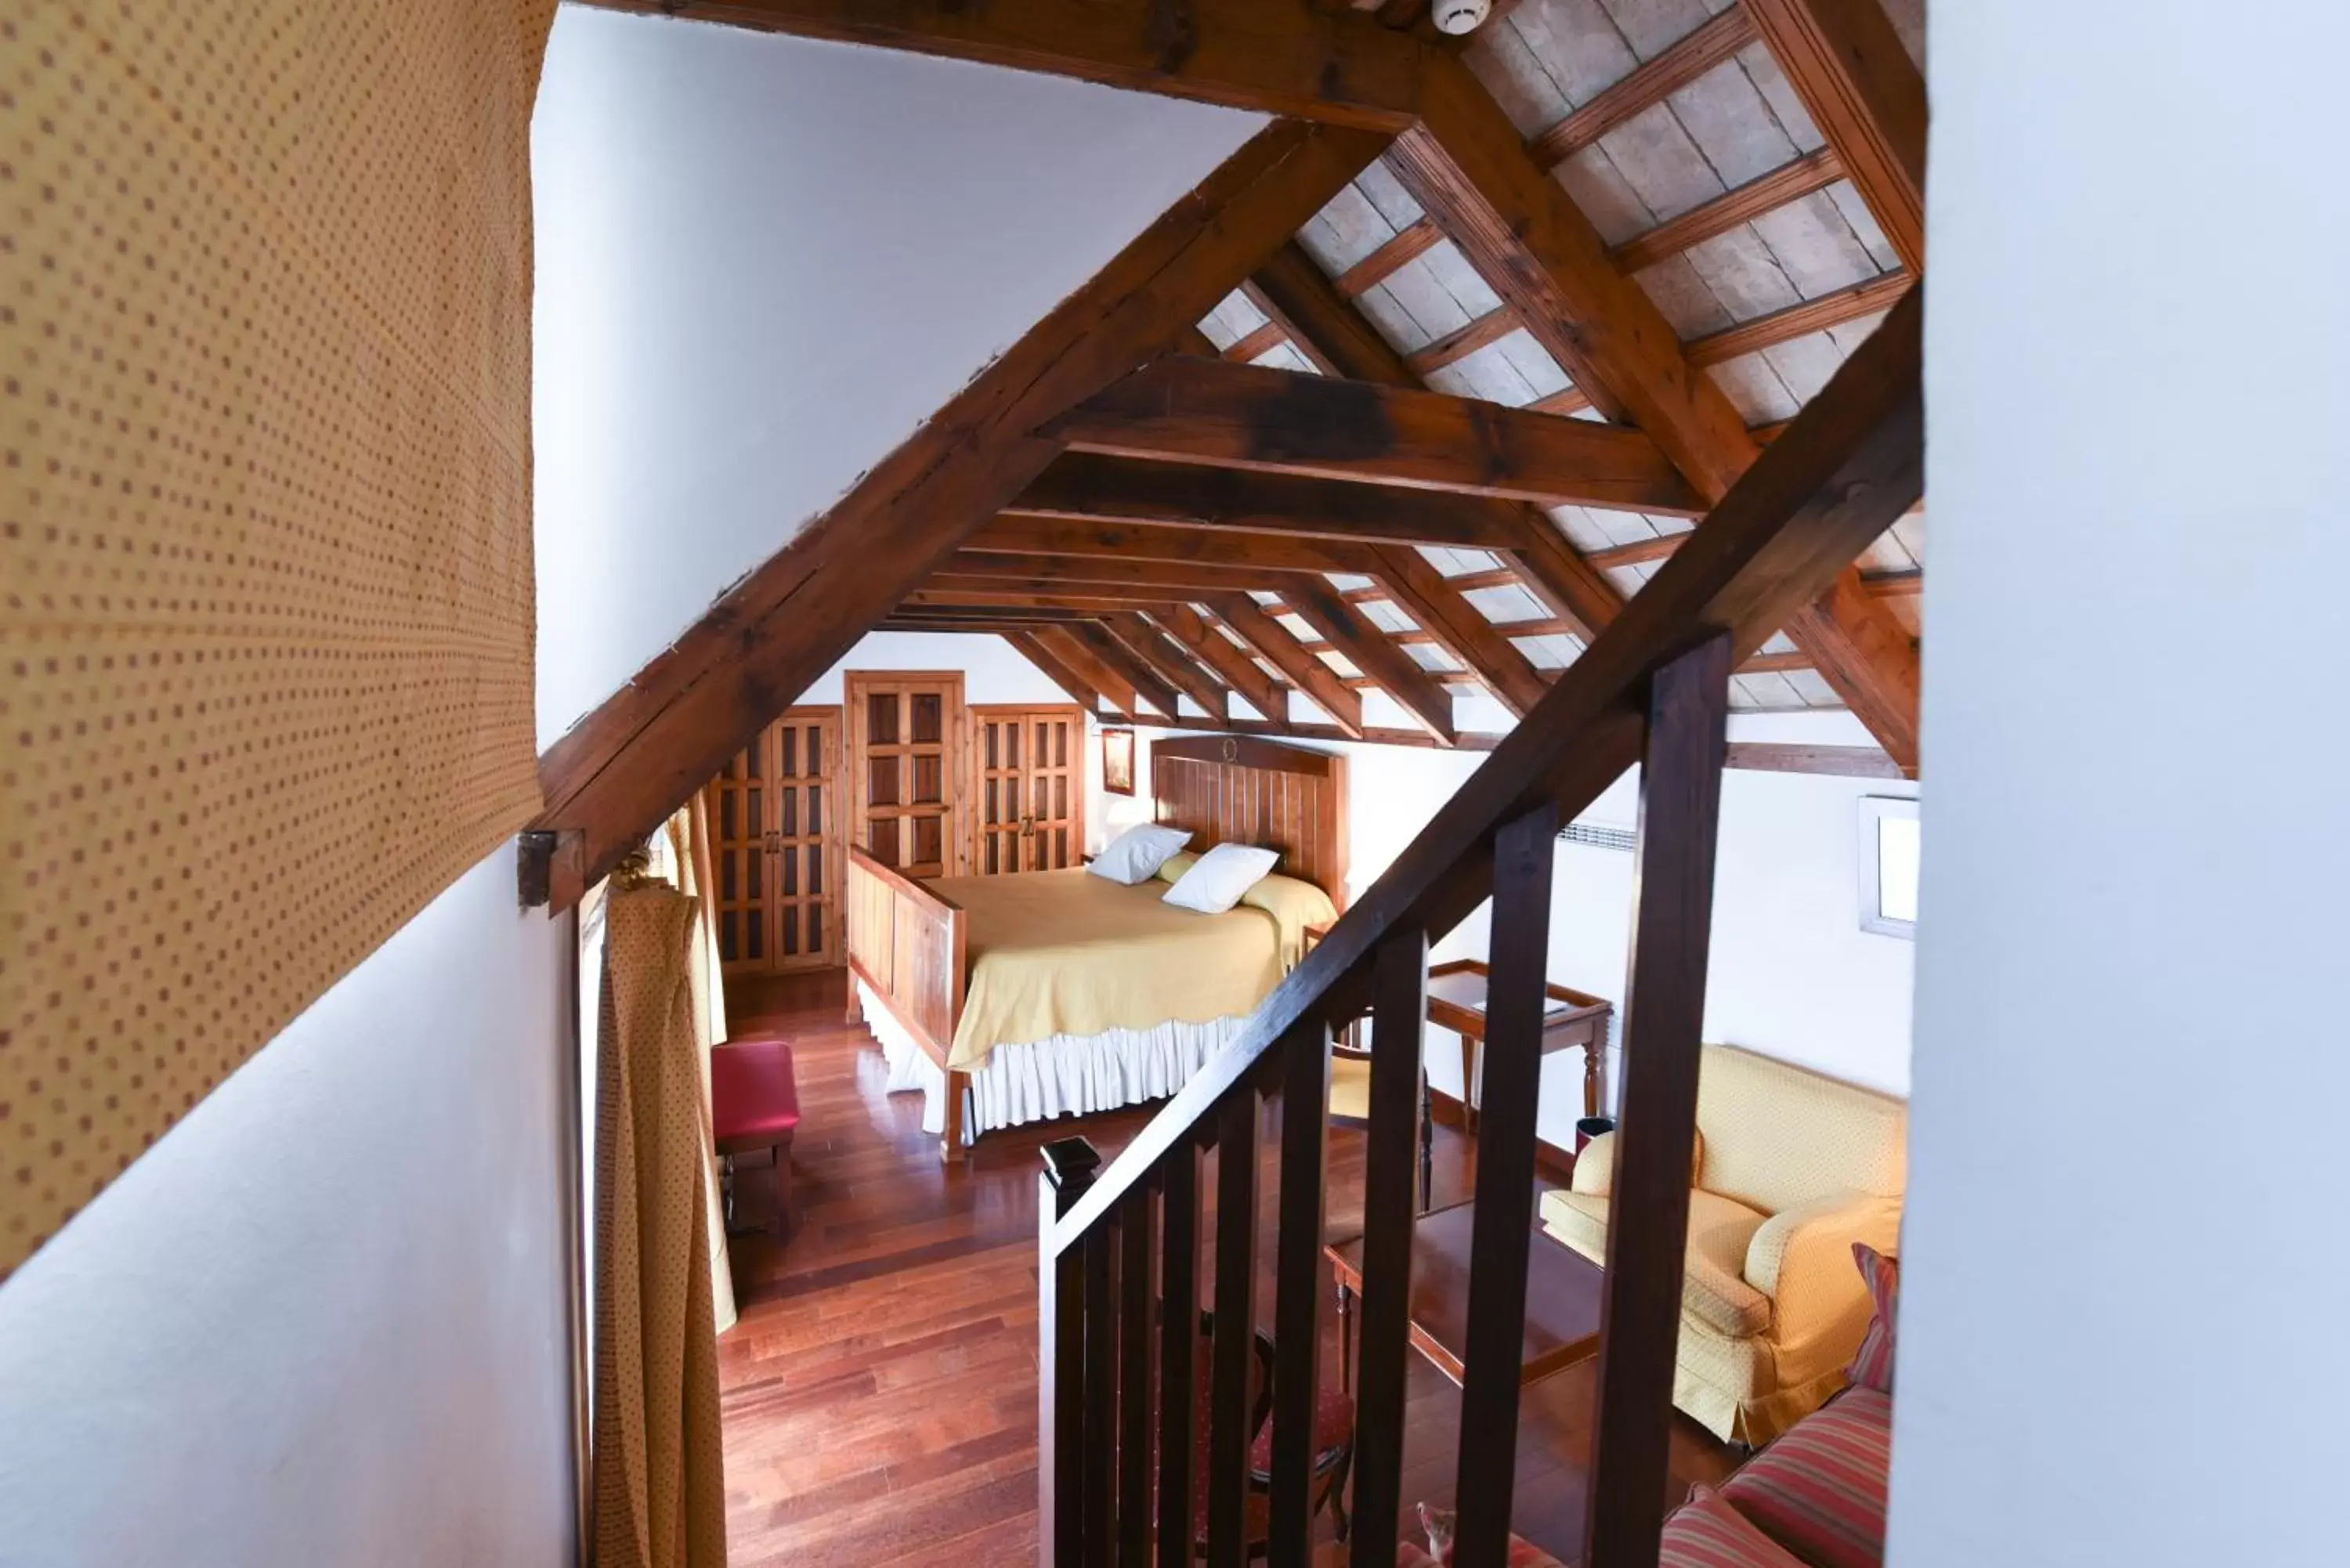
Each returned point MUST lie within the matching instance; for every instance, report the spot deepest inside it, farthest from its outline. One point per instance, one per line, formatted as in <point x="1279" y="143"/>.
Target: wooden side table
<point x="1573" y="1019"/>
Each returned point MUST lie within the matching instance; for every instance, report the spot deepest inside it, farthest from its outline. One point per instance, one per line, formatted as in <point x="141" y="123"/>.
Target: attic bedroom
<point x="1115" y="781"/>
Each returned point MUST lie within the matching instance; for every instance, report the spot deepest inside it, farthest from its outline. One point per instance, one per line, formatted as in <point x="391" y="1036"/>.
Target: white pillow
<point x="1135" y="855"/>
<point x="1221" y="875"/>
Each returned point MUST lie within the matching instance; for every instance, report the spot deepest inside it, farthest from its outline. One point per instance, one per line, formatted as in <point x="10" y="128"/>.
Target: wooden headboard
<point x="1237" y="789"/>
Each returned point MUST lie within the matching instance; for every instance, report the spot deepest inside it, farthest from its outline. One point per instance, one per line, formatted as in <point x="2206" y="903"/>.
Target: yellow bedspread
<point x="1068" y="953"/>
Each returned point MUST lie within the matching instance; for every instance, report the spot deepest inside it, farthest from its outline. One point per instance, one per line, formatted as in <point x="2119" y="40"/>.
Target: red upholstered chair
<point x="755" y="1106"/>
<point x="1334" y="1447"/>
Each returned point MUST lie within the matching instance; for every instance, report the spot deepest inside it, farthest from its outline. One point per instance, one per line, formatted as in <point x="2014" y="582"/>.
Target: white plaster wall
<point x="762" y="262"/>
<point x="2119" y="1337"/>
<point x="994" y="670"/>
<point x="323" y="1320"/>
<point x="1791" y="973"/>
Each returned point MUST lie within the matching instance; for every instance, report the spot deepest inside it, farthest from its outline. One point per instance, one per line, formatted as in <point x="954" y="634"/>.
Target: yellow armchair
<point x="1790" y="1170"/>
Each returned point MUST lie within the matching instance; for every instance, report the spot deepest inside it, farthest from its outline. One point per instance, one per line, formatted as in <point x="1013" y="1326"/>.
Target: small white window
<point x="1888" y="866"/>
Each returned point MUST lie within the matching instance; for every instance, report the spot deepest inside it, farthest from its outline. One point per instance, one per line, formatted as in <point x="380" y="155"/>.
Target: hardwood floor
<point x="878" y="1391"/>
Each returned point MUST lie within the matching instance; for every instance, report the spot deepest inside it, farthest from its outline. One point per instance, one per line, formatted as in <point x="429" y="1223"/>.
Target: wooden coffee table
<point x="1564" y="1292"/>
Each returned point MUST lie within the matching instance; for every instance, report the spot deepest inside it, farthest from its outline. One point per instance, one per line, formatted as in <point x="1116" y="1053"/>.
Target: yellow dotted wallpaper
<point x="265" y="614"/>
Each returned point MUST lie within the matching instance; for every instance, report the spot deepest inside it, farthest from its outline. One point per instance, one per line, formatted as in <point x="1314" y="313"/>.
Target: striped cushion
<point x="1706" y="1533"/>
<point x="1819" y="1492"/>
<point x="1873" y="1366"/>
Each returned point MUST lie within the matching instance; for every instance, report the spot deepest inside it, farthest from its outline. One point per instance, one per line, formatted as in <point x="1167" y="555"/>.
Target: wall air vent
<point x="1600" y="835"/>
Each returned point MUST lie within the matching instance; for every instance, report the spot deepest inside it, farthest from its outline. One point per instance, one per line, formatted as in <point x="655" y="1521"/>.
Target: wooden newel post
<point x="1070" y="1164"/>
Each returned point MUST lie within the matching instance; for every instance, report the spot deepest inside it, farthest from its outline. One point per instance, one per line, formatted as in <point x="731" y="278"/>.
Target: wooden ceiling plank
<point x="1674" y="68"/>
<point x="1250" y="417"/>
<point x="1526" y="237"/>
<point x="1370" y="650"/>
<point x="1284" y="653"/>
<point x="617" y="774"/>
<point x="1275" y="57"/>
<point x="1080" y="486"/>
<point x="1462" y="629"/>
<point x="1148" y="683"/>
<point x="1230" y="663"/>
<point x="1064" y="645"/>
<point x="1160" y="652"/>
<point x="1264" y="340"/>
<point x="1766" y="193"/>
<point x="1410" y="243"/>
<point x="1054" y="670"/>
<point x="1458" y="344"/>
<point x="1868" y="98"/>
<point x="1335" y="337"/>
<point x="1798" y="321"/>
<point x="1164" y="544"/>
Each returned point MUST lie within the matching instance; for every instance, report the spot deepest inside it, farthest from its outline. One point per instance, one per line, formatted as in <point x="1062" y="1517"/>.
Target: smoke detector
<point x="1458" y="17"/>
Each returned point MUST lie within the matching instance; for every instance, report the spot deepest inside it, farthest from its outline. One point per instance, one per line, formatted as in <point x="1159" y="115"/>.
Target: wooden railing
<point x="907" y="941"/>
<point x="1121" y="1248"/>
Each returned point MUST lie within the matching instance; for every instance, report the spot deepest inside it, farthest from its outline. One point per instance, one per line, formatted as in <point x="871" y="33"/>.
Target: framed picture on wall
<point x="1118" y="760"/>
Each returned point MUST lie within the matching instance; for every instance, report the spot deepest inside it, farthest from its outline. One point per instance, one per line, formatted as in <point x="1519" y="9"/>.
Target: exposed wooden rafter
<point x="1250" y="417"/>
<point x="1062" y="644"/>
<point x="1122" y="490"/>
<point x="1154" y="647"/>
<point x="1466" y="167"/>
<point x="1304" y="670"/>
<point x="629" y="765"/>
<point x="1868" y="99"/>
<point x="1232" y="663"/>
<point x="1166" y="543"/>
<point x="1137" y="672"/>
<point x="1276" y="57"/>
<point x="1766" y="192"/>
<point x="1371" y="650"/>
<point x="1674" y="68"/>
<point x="1054" y="670"/>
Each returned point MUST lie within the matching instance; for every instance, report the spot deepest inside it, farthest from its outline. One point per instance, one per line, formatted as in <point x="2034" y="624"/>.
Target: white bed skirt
<point x="1065" y="1075"/>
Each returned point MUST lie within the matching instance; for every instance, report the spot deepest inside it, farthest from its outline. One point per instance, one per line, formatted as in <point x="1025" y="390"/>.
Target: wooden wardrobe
<point x="777" y="848"/>
<point x="907" y="760"/>
<point x="1028" y="787"/>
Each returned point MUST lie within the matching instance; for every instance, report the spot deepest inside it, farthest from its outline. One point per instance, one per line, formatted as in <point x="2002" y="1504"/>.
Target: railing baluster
<point x="1398" y="1016"/>
<point x="1069" y="1166"/>
<point x="1298" y="1289"/>
<point x="1101" y="1395"/>
<point x="1520" y="957"/>
<point x="1134" y="1378"/>
<point x="1664" y="1018"/>
<point x="1230" y="1430"/>
<point x="1179" y="1337"/>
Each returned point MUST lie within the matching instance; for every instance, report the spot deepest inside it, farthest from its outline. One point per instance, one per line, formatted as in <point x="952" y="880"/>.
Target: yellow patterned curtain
<point x="265" y="614"/>
<point x="689" y="852"/>
<point x="660" y="1484"/>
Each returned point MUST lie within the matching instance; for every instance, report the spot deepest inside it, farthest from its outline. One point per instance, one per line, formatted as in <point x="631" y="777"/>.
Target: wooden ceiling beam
<point x="1410" y="243"/>
<point x="1283" y="651"/>
<point x="1088" y="600"/>
<point x="1160" y="652"/>
<point x="1877" y="294"/>
<point x="620" y="772"/>
<point x="1382" y="735"/>
<point x="1119" y="490"/>
<point x="1539" y="554"/>
<point x="1244" y="349"/>
<point x="1469" y="169"/>
<point x="1460" y="342"/>
<point x="1054" y="670"/>
<point x="1231" y="662"/>
<point x="1135" y="672"/>
<point x="1250" y="417"/>
<point x="1336" y="338"/>
<point x="1868" y="98"/>
<point x="1370" y="650"/>
<point x="1011" y="533"/>
<point x="1479" y="646"/>
<point x="1672" y="69"/>
<point x="1275" y="57"/>
<point x="971" y="567"/>
<point x="1764" y="193"/>
<point x="1062" y="644"/>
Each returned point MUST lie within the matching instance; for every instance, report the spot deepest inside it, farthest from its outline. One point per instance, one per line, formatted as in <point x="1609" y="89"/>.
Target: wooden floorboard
<point x="879" y="1390"/>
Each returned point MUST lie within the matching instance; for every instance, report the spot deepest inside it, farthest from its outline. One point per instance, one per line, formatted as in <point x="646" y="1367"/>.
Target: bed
<point x="1015" y="999"/>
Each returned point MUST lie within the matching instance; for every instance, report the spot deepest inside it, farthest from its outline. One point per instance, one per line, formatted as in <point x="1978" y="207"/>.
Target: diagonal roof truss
<point x="1341" y="422"/>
